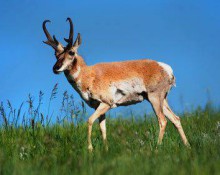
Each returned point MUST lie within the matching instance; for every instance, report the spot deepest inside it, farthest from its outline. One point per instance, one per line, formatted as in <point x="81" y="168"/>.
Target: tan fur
<point x="95" y="81"/>
<point x="97" y="78"/>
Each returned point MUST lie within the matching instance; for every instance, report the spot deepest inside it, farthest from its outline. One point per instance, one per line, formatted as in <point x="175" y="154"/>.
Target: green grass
<point x="62" y="149"/>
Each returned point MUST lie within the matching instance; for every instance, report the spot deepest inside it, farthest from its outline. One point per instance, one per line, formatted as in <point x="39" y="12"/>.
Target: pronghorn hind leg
<point x="102" y="124"/>
<point x="175" y="120"/>
<point x="156" y="103"/>
<point x="101" y="110"/>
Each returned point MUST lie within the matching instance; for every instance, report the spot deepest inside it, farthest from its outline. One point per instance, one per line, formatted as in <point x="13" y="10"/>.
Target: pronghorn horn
<point x="70" y="39"/>
<point x="54" y="38"/>
<point x="46" y="31"/>
<point x="51" y="41"/>
<point x="78" y="40"/>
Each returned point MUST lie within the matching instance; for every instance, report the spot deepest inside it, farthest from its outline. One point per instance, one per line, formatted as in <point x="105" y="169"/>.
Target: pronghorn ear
<point x="78" y="41"/>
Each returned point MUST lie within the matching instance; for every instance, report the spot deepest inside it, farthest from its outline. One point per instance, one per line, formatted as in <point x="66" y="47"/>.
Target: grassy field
<point x="62" y="149"/>
<point x="35" y="147"/>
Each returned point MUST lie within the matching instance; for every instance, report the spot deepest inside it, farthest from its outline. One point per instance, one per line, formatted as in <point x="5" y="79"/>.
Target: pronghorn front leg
<point x="101" y="110"/>
<point x="102" y="123"/>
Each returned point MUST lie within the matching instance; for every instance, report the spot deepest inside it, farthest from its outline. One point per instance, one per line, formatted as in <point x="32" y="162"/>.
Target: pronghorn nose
<point x="56" y="67"/>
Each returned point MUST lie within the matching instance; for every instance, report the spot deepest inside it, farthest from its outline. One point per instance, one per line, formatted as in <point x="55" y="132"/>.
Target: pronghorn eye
<point x="71" y="53"/>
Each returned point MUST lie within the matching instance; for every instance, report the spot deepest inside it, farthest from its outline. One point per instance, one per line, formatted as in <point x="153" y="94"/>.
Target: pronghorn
<point x="108" y="85"/>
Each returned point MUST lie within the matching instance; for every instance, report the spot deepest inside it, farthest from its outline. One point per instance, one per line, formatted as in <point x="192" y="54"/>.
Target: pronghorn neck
<point x="74" y="71"/>
<point x="80" y="61"/>
<point x="74" y="76"/>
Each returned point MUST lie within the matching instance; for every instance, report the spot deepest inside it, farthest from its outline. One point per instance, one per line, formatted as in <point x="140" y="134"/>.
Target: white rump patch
<point x="167" y="68"/>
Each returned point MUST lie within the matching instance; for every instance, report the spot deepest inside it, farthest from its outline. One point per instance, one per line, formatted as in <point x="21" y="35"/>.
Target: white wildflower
<point x="141" y="142"/>
<point x="205" y="135"/>
<point x="23" y="154"/>
<point x="218" y="125"/>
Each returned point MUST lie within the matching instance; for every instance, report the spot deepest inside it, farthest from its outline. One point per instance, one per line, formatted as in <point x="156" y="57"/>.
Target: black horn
<point x="51" y="41"/>
<point x="46" y="31"/>
<point x="70" y="39"/>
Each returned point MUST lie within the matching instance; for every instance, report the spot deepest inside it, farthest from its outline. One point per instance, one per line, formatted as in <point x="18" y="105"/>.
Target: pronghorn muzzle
<point x="57" y="66"/>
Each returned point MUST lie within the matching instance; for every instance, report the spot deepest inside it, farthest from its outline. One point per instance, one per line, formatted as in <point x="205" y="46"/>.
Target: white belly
<point x="127" y="91"/>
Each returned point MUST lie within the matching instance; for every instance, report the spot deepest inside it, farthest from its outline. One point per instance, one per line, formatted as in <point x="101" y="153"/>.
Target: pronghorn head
<point x="65" y="55"/>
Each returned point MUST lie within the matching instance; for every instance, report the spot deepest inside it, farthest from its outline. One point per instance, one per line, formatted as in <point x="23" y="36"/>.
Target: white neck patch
<point x="76" y="74"/>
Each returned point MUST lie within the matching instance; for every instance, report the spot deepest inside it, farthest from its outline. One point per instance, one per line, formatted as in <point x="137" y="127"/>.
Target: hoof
<point x="188" y="145"/>
<point x="106" y="147"/>
<point x="90" y="148"/>
<point x="159" y="143"/>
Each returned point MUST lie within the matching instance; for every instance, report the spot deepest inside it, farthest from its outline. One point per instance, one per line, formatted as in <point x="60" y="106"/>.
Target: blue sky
<point x="184" y="34"/>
